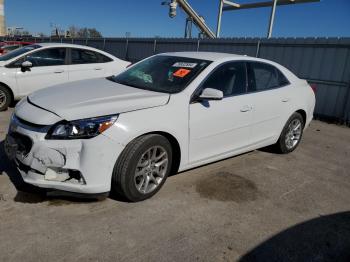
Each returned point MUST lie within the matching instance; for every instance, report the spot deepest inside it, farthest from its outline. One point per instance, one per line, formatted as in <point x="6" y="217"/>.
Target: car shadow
<point x="323" y="239"/>
<point x="269" y="149"/>
<point x="27" y="193"/>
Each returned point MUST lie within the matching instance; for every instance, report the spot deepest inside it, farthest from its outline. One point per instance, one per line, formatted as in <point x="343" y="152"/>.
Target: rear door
<point x="270" y="91"/>
<point x="85" y="64"/>
<point x="49" y="68"/>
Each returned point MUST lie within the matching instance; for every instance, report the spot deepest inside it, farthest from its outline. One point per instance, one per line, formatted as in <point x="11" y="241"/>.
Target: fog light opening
<point x="76" y="176"/>
<point x="65" y="175"/>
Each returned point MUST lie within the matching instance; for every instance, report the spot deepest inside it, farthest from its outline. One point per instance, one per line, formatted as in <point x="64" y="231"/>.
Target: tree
<point x="73" y="31"/>
<point x="93" y="33"/>
<point x="84" y="32"/>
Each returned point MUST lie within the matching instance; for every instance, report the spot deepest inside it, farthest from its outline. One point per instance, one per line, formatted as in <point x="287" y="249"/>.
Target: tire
<point x="142" y="155"/>
<point x="5" y="98"/>
<point x="289" y="140"/>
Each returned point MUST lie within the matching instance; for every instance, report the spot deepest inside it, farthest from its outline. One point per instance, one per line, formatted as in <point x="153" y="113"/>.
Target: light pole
<point x="272" y="19"/>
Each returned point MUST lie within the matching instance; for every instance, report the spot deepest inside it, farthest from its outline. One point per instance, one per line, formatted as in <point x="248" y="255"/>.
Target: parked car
<point x="168" y="113"/>
<point x="33" y="67"/>
<point x="8" y="46"/>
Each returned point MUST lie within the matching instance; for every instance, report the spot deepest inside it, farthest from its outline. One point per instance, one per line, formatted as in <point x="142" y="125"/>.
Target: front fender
<point x="153" y="120"/>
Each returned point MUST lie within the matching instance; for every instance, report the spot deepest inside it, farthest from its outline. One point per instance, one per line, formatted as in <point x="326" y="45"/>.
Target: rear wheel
<point x="291" y="134"/>
<point x="142" y="168"/>
<point x="5" y="98"/>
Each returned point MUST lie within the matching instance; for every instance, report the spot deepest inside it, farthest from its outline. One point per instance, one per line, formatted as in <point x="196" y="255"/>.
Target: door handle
<point x="59" y="71"/>
<point x="246" y="108"/>
<point x="285" y="100"/>
<point x="98" y="68"/>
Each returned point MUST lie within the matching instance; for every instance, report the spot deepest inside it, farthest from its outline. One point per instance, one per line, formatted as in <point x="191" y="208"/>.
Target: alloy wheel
<point x="3" y="98"/>
<point x="293" y="134"/>
<point x="151" y="169"/>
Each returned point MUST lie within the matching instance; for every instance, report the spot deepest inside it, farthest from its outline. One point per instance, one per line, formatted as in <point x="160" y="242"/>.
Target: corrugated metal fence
<point x="323" y="61"/>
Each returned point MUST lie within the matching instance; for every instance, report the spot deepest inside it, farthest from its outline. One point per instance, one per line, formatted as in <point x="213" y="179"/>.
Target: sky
<point x="147" y="18"/>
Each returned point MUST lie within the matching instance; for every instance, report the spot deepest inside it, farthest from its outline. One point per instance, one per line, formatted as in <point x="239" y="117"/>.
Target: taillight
<point x="313" y="87"/>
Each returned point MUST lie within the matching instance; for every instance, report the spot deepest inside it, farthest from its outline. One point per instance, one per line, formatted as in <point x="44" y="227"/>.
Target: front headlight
<point x="81" y="129"/>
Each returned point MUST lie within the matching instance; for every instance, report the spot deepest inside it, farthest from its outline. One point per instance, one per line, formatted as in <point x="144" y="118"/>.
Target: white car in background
<point x="36" y="66"/>
<point x="165" y="114"/>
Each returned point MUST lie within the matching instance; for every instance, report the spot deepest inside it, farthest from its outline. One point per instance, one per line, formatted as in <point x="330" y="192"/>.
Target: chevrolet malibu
<point x="165" y="114"/>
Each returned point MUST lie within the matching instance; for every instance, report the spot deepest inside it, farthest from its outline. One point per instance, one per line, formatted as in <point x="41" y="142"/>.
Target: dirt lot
<point x="258" y="206"/>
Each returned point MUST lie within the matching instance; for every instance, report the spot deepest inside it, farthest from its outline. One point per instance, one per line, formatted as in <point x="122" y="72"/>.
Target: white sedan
<point x="36" y="66"/>
<point x="165" y="114"/>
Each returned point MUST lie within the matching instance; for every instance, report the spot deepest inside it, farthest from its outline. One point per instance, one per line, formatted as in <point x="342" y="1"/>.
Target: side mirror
<point x="211" y="94"/>
<point x="26" y="65"/>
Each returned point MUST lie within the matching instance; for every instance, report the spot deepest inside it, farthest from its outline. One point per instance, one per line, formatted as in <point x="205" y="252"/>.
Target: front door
<point x="49" y="68"/>
<point x="223" y="126"/>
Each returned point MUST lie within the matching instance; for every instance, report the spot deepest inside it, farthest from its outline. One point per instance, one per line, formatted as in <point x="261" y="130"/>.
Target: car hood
<point x="96" y="97"/>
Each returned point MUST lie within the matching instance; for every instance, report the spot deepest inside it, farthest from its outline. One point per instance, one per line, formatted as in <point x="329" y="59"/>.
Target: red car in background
<point x="7" y="46"/>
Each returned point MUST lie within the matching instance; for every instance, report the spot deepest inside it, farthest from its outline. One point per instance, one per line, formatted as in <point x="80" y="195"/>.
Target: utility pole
<point x="272" y="19"/>
<point x="218" y="27"/>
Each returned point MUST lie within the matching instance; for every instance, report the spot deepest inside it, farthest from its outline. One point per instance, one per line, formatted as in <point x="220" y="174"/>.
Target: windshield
<point x="18" y="52"/>
<point x="166" y="74"/>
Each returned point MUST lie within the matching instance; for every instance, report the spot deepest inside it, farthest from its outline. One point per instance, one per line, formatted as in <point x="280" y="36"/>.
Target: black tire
<point x="281" y="145"/>
<point x="4" y="104"/>
<point x="123" y="179"/>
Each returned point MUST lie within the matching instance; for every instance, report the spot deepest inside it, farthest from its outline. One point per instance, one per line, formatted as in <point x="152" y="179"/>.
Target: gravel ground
<point x="258" y="206"/>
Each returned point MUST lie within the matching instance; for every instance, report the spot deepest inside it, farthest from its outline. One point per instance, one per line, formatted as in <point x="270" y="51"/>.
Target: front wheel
<point x="5" y="98"/>
<point x="142" y="168"/>
<point x="291" y="134"/>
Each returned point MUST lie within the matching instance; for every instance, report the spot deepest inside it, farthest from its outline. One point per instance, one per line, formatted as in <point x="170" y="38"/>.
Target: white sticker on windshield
<point x="184" y="64"/>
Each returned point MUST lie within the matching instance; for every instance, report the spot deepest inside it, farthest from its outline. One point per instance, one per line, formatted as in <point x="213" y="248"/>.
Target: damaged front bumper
<point x="80" y="166"/>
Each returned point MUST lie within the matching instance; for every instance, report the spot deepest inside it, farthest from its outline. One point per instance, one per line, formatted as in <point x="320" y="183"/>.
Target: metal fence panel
<point x="139" y="49"/>
<point x="175" y="45"/>
<point x="239" y="46"/>
<point x="324" y="61"/>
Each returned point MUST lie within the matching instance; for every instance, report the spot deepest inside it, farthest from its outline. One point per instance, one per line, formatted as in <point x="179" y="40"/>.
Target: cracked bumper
<point x="49" y="163"/>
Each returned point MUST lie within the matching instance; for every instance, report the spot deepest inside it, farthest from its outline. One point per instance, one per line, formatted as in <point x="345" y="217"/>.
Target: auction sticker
<point x="184" y="64"/>
<point x="182" y="72"/>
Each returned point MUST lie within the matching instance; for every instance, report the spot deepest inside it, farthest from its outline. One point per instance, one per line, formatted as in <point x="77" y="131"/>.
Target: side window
<point x="48" y="57"/>
<point x="282" y="80"/>
<point x="104" y="59"/>
<point x="81" y="56"/>
<point x="264" y="77"/>
<point x="230" y="78"/>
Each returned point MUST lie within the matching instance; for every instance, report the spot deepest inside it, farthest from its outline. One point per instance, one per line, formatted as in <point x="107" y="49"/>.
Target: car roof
<point x="211" y="56"/>
<point x="63" y="45"/>
<point x="220" y="57"/>
<point x="75" y="46"/>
